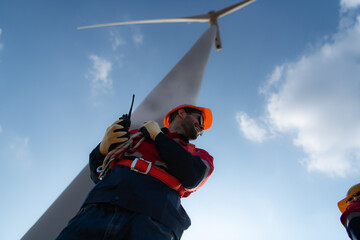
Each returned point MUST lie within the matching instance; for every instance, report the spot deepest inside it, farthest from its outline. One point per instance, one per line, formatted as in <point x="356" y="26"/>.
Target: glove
<point x="115" y="134"/>
<point x="150" y="129"/>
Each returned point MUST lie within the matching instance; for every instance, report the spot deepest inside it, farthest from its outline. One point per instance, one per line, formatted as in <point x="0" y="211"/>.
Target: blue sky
<point x="284" y="93"/>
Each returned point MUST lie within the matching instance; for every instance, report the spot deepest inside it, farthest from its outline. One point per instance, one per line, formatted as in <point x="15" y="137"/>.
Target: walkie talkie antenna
<point x="132" y="103"/>
<point x="126" y="122"/>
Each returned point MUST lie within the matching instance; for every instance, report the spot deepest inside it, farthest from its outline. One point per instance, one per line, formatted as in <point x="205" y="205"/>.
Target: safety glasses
<point x="201" y="120"/>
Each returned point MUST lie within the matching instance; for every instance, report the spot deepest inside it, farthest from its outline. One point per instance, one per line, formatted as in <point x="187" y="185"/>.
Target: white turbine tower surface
<point x="210" y="17"/>
<point x="180" y="85"/>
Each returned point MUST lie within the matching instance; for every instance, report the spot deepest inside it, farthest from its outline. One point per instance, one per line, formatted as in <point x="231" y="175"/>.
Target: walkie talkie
<point x="125" y="123"/>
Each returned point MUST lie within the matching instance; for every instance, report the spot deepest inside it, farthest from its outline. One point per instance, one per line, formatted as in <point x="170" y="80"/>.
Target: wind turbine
<point x="211" y="17"/>
<point x="180" y="86"/>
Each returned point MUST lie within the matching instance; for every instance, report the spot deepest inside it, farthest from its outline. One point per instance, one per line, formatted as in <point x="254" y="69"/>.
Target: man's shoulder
<point x="353" y="209"/>
<point x="203" y="154"/>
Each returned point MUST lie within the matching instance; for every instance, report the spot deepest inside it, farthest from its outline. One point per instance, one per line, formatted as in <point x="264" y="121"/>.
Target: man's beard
<point x="189" y="128"/>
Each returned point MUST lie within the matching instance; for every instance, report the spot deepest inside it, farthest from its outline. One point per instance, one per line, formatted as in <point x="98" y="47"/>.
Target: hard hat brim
<point x="343" y="204"/>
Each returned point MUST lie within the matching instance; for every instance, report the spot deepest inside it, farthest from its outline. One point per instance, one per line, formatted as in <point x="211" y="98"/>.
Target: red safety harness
<point x="142" y="166"/>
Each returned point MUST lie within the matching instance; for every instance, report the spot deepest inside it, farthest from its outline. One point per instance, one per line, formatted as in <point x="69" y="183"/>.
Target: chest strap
<point x="142" y="166"/>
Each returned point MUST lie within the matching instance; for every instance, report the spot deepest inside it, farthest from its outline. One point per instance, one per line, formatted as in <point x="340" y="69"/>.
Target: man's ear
<point x="182" y="113"/>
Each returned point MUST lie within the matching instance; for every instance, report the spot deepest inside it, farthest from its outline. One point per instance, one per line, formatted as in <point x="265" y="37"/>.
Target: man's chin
<point x="194" y="134"/>
<point x="193" y="138"/>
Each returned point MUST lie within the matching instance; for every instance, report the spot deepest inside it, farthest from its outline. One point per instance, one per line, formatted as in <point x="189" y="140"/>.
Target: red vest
<point x="147" y="161"/>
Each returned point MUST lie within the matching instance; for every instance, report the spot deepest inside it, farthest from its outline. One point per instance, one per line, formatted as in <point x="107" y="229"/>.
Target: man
<point x="142" y="182"/>
<point x="350" y="209"/>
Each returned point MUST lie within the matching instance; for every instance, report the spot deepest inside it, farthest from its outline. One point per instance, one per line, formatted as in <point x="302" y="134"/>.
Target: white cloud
<point x="120" y="59"/>
<point x="273" y="80"/>
<point x="1" y="129"/>
<point x="317" y="101"/>
<point x="116" y="40"/>
<point x="250" y="128"/>
<point x="137" y="36"/>
<point x="349" y="4"/>
<point x="100" y="80"/>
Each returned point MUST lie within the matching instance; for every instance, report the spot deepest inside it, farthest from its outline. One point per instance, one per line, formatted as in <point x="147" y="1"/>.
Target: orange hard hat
<point x="343" y="204"/>
<point x="206" y="113"/>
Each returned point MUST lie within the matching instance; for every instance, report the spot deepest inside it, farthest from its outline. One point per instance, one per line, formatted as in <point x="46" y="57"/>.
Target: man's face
<point x="192" y="125"/>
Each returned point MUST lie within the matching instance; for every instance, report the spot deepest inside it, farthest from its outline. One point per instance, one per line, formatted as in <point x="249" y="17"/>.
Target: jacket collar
<point x="175" y="134"/>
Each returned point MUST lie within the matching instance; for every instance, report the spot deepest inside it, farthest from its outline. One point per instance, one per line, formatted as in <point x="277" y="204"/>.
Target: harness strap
<point x="142" y="166"/>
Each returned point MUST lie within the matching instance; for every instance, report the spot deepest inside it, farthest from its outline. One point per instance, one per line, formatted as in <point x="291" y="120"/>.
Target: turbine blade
<point x="225" y="11"/>
<point x="199" y="18"/>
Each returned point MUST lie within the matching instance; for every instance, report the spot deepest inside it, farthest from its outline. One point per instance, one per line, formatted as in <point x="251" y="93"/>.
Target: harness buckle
<point x="132" y="167"/>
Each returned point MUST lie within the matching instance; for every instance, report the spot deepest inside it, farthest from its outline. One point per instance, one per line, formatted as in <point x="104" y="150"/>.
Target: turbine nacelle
<point x="213" y="21"/>
<point x="211" y="17"/>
